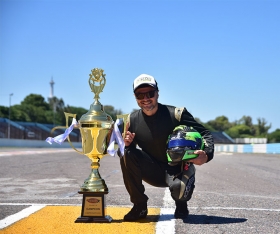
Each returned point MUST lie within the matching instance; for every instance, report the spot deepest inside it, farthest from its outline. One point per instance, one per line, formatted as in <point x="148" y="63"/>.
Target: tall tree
<point x="221" y="123"/>
<point x="4" y="112"/>
<point x="247" y="121"/>
<point x="274" y="136"/>
<point x="56" y="115"/>
<point x="206" y="125"/>
<point x="110" y="110"/>
<point x="35" y="106"/>
<point x="239" y="131"/>
<point x="262" y="128"/>
<point x="35" y="100"/>
<point x="79" y="111"/>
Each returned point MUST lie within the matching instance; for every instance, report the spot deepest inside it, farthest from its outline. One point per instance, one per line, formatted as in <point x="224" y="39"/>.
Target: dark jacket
<point x="151" y="132"/>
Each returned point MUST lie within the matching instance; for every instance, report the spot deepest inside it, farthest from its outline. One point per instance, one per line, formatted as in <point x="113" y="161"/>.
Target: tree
<point x="247" y="121"/>
<point x="274" y="136"/>
<point x="4" y="112"/>
<point x="36" y="100"/>
<point x="221" y="123"/>
<point x="239" y="131"/>
<point x="32" y="109"/>
<point x="56" y="115"/>
<point x="206" y="125"/>
<point x="110" y="110"/>
<point x="56" y="104"/>
<point x="262" y="128"/>
<point x="79" y="111"/>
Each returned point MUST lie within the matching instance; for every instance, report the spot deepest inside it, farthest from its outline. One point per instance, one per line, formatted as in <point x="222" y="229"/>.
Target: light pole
<point x="11" y="94"/>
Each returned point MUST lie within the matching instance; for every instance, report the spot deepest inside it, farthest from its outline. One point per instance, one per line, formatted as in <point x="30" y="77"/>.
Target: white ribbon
<point x="116" y="136"/>
<point x="61" y="138"/>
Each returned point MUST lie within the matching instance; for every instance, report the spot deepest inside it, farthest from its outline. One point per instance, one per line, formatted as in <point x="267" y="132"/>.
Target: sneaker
<point x="181" y="210"/>
<point x="138" y="211"/>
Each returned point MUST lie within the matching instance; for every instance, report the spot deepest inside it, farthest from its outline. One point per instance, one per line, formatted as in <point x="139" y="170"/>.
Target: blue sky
<point x="213" y="57"/>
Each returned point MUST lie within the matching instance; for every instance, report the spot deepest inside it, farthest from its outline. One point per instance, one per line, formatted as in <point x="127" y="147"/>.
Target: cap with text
<point x="144" y="80"/>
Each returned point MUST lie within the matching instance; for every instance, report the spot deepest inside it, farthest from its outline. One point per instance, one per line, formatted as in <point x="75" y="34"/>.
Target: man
<point x="145" y="150"/>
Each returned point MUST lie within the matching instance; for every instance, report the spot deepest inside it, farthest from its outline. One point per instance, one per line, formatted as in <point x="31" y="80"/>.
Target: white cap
<point x="144" y="79"/>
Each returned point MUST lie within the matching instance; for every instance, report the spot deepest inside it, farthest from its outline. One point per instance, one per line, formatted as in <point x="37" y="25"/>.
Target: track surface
<point x="235" y="193"/>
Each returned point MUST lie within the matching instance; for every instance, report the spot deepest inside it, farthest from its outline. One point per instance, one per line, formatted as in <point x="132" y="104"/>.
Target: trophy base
<point x="93" y="208"/>
<point x="105" y="219"/>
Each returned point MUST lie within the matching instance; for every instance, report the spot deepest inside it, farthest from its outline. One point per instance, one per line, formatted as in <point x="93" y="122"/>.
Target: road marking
<point x="61" y="219"/>
<point x="171" y="209"/>
<point x="236" y="208"/>
<point x="166" y="221"/>
<point x="164" y="225"/>
<point x="31" y="152"/>
<point x="41" y="204"/>
<point x="20" y="215"/>
<point x="241" y="195"/>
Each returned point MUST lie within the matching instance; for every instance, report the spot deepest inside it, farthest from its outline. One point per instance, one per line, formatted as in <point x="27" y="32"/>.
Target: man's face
<point x="147" y="99"/>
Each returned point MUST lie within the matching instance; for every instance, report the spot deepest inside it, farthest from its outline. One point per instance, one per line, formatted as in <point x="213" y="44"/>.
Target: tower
<point x="51" y="98"/>
<point x="52" y="84"/>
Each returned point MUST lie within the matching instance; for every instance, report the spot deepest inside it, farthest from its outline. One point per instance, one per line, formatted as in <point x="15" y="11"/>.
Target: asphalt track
<point x="235" y="193"/>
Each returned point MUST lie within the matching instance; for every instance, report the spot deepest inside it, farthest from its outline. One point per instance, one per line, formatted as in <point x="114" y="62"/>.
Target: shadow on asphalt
<point x="205" y="219"/>
<point x="192" y="219"/>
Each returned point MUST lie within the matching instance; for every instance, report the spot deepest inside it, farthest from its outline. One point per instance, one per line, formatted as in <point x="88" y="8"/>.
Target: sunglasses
<point x="149" y="94"/>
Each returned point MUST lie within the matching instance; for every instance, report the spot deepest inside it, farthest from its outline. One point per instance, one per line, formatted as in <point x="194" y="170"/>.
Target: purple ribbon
<point x="61" y="138"/>
<point x="116" y="136"/>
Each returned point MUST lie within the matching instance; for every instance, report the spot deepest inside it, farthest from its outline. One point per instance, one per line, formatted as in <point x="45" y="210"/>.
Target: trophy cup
<point x="95" y="127"/>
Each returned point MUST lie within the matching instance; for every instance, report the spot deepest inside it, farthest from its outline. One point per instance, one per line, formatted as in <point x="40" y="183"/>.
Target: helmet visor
<point x="175" y="154"/>
<point x="179" y="154"/>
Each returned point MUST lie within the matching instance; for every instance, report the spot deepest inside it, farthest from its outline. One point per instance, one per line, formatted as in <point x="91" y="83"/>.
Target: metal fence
<point x="32" y="131"/>
<point x="38" y="131"/>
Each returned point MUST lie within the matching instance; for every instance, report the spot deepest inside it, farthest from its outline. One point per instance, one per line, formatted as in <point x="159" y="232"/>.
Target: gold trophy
<point x="96" y="127"/>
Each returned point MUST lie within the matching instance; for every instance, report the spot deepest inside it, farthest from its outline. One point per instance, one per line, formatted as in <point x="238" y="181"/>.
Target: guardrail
<point x="5" y="142"/>
<point x="271" y="148"/>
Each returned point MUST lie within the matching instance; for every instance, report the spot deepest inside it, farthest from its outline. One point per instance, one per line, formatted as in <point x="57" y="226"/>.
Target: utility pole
<point x="11" y="94"/>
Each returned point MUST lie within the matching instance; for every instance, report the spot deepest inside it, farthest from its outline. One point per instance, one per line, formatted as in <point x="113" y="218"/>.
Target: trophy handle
<point x="125" y="118"/>
<point x="67" y="115"/>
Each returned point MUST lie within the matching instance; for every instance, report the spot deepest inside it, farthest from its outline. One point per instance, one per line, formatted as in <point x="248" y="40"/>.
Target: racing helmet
<point x="182" y="143"/>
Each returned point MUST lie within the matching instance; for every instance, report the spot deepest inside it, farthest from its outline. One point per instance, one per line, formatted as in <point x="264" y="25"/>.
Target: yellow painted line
<point x="61" y="219"/>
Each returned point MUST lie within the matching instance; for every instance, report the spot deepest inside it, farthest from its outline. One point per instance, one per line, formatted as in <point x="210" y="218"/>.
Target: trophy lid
<point x="96" y="116"/>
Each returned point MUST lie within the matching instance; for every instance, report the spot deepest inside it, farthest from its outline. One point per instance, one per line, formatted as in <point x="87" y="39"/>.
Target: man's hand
<point x="201" y="159"/>
<point x="128" y="137"/>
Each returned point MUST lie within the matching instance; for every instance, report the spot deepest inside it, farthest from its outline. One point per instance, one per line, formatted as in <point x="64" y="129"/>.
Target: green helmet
<point x="182" y="143"/>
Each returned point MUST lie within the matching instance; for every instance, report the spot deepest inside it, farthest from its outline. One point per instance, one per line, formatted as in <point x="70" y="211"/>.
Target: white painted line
<point x="171" y="207"/>
<point x="236" y="208"/>
<point x="32" y="204"/>
<point x="166" y="222"/>
<point x="20" y="215"/>
<point x="240" y="195"/>
<point x="31" y="152"/>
